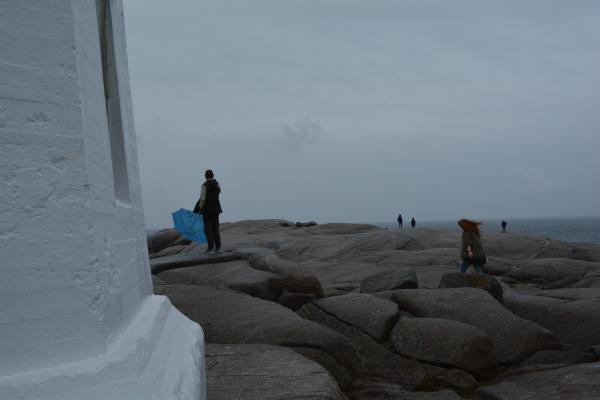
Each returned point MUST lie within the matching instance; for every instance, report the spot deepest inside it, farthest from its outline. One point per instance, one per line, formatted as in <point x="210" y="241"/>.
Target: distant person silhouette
<point x="471" y="249"/>
<point x="503" y="225"/>
<point x="413" y="223"/>
<point x="210" y="208"/>
<point x="400" y="220"/>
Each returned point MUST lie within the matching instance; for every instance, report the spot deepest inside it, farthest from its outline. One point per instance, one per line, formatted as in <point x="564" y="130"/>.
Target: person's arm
<point x="202" y="198"/>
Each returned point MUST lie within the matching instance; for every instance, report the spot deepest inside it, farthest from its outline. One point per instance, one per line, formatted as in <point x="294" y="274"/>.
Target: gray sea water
<point x="574" y="230"/>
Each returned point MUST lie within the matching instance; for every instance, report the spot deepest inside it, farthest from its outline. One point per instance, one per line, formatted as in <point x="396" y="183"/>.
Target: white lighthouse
<point x="78" y="319"/>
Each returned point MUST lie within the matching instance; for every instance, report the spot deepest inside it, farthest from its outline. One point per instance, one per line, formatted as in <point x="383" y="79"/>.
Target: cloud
<point x="296" y="137"/>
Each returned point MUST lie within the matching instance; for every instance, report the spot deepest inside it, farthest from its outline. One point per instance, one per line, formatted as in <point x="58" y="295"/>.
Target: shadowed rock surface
<point x="255" y="371"/>
<point x="577" y="382"/>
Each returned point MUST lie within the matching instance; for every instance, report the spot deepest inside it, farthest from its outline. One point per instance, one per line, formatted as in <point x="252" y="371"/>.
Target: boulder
<point x="379" y="362"/>
<point x="258" y="371"/>
<point x="577" y="382"/>
<point x="445" y="342"/>
<point x="169" y="251"/>
<point x="236" y="275"/>
<point x="162" y="239"/>
<point x="302" y="280"/>
<point x="229" y="317"/>
<point x="372" y="315"/>
<point x="576" y="323"/>
<point x="484" y="282"/>
<point x="390" y="280"/>
<point x="514" y="338"/>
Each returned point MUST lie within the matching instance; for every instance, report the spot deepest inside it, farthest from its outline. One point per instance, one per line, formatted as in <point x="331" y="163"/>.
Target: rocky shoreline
<point x="352" y="311"/>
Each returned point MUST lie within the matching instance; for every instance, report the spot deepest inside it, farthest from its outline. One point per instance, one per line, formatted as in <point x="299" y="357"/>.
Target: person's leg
<point x="478" y="269"/>
<point x="216" y="233"/>
<point x="208" y="232"/>
<point x="464" y="266"/>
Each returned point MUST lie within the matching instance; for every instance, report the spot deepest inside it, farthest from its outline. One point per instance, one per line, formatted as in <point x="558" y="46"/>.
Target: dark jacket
<point x="209" y="203"/>
<point x="470" y="239"/>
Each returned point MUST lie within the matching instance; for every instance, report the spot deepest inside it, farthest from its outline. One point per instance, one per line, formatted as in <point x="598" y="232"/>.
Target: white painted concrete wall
<point x="74" y="270"/>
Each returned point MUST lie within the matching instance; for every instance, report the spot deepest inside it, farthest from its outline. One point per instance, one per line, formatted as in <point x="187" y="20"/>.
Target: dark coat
<point x="212" y="205"/>
<point x="470" y="239"/>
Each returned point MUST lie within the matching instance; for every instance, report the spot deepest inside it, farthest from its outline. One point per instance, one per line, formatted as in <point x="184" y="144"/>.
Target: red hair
<point x="470" y="226"/>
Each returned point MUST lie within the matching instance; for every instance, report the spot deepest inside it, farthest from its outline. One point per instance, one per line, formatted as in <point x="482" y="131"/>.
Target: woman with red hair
<point x="471" y="250"/>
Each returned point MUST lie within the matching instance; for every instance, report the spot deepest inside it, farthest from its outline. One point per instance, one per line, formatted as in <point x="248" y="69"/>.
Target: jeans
<point x="465" y="265"/>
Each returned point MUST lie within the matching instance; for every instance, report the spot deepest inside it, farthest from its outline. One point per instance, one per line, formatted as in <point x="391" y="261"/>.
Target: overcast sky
<point x="354" y="111"/>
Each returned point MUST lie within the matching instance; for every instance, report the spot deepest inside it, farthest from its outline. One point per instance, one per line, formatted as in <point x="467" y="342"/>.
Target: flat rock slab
<point x="254" y="371"/>
<point x="236" y="275"/>
<point x="441" y="341"/>
<point x="372" y="315"/>
<point x="160" y="264"/>
<point x="577" y="382"/>
<point x="514" y="338"/>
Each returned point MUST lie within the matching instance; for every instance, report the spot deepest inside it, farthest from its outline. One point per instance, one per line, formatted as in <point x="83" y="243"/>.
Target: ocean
<point x="574" y="230"/>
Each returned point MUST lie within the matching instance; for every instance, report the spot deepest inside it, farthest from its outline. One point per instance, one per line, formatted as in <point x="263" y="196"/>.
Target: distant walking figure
<point x="413" y="223"/>
<point x="471" y="250"/>
<point x="210" y="208"/>
<point x="400" y="220"/>
<point x="503" y="224"/>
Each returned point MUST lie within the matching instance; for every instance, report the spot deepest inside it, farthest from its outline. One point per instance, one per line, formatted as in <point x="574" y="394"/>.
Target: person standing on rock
<point x="471" y="250"/>
<point x="413" y="223"/>
<point x="503" y="225"/>
<point x="400" y="220"/>
<point x="210" y="208"/>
